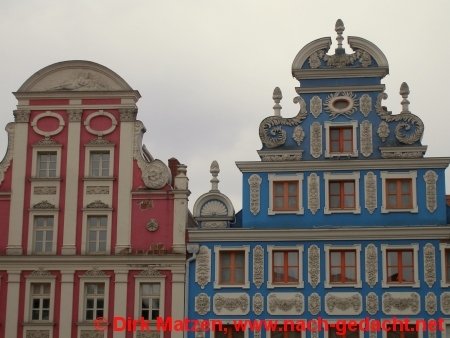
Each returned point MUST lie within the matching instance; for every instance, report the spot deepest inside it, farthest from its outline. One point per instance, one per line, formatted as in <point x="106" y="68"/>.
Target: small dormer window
<point x="341" y="139"/>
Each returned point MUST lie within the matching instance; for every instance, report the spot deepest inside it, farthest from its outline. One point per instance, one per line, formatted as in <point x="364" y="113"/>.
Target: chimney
<point x="173" y="166"/>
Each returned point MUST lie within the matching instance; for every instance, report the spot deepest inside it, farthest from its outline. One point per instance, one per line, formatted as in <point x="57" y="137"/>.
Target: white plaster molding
<point x="343" y="303"/>
<point x="354" y="125"/>
<point x="254" y="182"/>
<point x="443" y="247"/>
<point x="314" y="303"/>
<point x="202" y="304"/>
<point x="315" y="106"/>
<point x="274" y="178"/>
<point x="445" y="303"/>
<point x="365" y="104"/>
<point x="47" y="134"/>
<point x="412" y="246"/>
<point x="100" y="133"/>
<point x="298" y="135"/>
<point x="288" y="303"/>
<point x="401" y="303"/>
<point x="203" y="267"/>
<point x="431" y="178"/>
<point x="353" y="176"/>
<point x="314" y="265"/>
<point x="313" y="193"/>
<point x="429" y="264"/>
<point x="372" y="303"/>
<point x="431" y="303"/>
<point x="231" y="303"/>
<point x="370" y="191"/>
<point x="299" y="250"/>
<point x="357" y="249"/>
<point x="365" y="138"/>
<point x="6" y="161"/>
<point x="399" y="175"/>
<point x="315" y="133"/>
<point x="97" y="190"/>
<point x="371" y="265"/>
<point x="258" y="303"/>
<point x="258" y="266"/>
<point x="217" y="250"/>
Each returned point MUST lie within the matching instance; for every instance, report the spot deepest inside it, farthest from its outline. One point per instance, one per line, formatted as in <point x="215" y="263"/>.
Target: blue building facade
<point x="344" y="217"/>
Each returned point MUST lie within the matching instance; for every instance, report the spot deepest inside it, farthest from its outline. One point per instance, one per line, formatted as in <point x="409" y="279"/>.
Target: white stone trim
<point x="98" y="148"/>
<point x="48" y="149"/>
<point x="44" y="212"/>
<point x="354" y="125"/>
<point x="275" y="178"/>
<point x="415" y="248"/>
<point x="443" y="247"/>
<point x="446" y="332"/>
<point x="357" y="249"/>
<point x="87" y="123"/>
<point x="27" y="308"/>
<point x="217" y="250"/>
<point x="334" y="321"/>
<point x="12" y="304"/>
<point x="47" y="134"/>
<point x="270" y="250"/>
<point x="94" y="212"/>
<point x="82" y="299"/>
<point x="399" y="175"/>
<point x="65" y="319"/>
<point x="354" y="176"/>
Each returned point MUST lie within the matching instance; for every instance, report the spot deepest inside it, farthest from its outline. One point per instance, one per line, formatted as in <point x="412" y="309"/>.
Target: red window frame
<point x="447" y="265"/>
<point x="343" y="267"/>
<point x="341" y="194"/>
<point x="285" y="266"/>
<point x="233" y="268"/>
<point x="337" y="144"/>
<point x="398" y="193"/>
<point x="285" y="195"/>
<point x="400" y="266"/>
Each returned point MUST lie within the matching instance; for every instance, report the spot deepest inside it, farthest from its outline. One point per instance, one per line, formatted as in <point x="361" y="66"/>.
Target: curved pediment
<point x="75" y="75"/>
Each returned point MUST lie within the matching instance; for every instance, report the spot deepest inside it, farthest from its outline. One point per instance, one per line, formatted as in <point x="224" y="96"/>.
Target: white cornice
<point x="308" y="90"/>
<point x="133" y="94"/>
<point x="326" y="73"/>
<point x="329" y="233"/>
<point x="298" y="166"/>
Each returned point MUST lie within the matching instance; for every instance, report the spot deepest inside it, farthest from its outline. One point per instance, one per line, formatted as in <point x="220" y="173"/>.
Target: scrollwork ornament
<point x="38" y="334"/>
<point x="365" y="134"/>
<point x="316" y="139"/>
<point x="240" y="303"/>
<point x="258" y="304"/>
<point x="372" y="303"/>
<point x="334" y="112"/>
<point x="429" y="264"/>
<point x="6" y="162"/>
<point x="298" y="135"/>
<point x="314" y="265"/>
<point x="343" y="303"/>
<point x="371" y="265"/>
<point x="254" y="182"/>
<point x="315" y="106"/>
<point x="430" y="178"/>
<point x="445" y="303"/>
<point x="21" y="116"/>
<point x="75" y="115"/>
<point x="314" y="328"/>
<point x="203" y="267"/>
<point x="392" y="303"/>
<point x="383" y="131"/>
<point x="202" y="304"/>
<point x="145" y="334"/>
<point x="370" y="182"/>
<point x="258" y="266"/>
<point x="365" y="104"/>
<point x="152" y="225"/>
<point x="44" y="190"/>
<point x="314" y="303"/>
<point x="431" y="303"/>
<point x="313" y="193"/>
<point x="285" y="305"/>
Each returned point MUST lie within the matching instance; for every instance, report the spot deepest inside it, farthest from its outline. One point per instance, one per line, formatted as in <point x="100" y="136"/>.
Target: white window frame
<point x="328" y="125"/>
<point x="356" y="247"/>
<point x="84" y="241"/>
<point x="270" y="250"/>
<point x="298" y="177"/>
<point x="334" y="321"/>
<point x="39" y="280"/>
<point x="33" y="214"/>
<point x="46" y="149"/>
<point x="443" y="247"/>
<point x="446" y="332"/>
<point x="415" y="249"/>
<point x="217" y="250"/>
<point x="82" y="299"/>
<point x="137" y="304"/>
<point x="87" y="163"/>
<point x="385" y="175"/>
<point x="226" y="322"/>
<point x="353" y="176"/>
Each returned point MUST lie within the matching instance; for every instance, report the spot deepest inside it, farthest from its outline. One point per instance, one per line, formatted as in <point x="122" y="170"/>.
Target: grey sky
<point x="206" y="69"/>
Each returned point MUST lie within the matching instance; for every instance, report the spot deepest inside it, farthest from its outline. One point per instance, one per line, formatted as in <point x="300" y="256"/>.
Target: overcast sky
<point x="206" y="69"/>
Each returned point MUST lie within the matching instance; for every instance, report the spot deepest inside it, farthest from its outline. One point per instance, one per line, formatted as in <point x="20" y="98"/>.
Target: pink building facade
<point x="92" y="225"/>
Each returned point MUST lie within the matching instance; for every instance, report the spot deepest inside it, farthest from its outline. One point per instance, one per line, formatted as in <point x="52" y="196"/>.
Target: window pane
<point x="278" y="202"/>
<point x="278" y="258"/>
<point x="392" y="258"/>
<point x="45" y="314"/>
<point x="100" y="303"/>
<point x="349" y="202"/>
<point x="293" y="258"/>
<point x="239" y="276"/>
<point x="347" y="133"/>
<point x="293" y="189"/>
<point x="225" y="259"/>
<point x="407" y="258"/>
<point x="335" y="274"/>
<point x="239" y="259"/>
<point x="350" y="258"/>
<point x="335" y="257"/>
<point x="335" y="202"/>
<point x="293" y="274"/>
<point x="348" y="146"/>
<point x="334" y="188"/>
<point x="406" y="201"/>
<point x="406" y="186"/>
<point x="349" y="188"/>
<point x="292" y="201"/>
<point x="155" y="303"/>
<point x="35" y="315"/>
<point x="278" y="274"/>
<point x="225" y="275"/>
<point x="89" y="314"/>
<point x="350" y="274"/>
<point x="393" y="274"/>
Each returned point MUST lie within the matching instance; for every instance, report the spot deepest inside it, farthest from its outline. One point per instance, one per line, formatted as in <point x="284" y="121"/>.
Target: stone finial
<point x="277" y="96"/>
<point x="214" y="170"/>
<point x="339" y="28"/>
<point x="404" y="92"/>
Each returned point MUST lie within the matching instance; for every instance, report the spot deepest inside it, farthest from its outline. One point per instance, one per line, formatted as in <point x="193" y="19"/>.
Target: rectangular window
<point x="399" y="193"/>
<point x="343" y="331"/>
<point x="285" y="195"/>
<point x="42" y="234"/>
<point x="149" y="300"/>
<point x="99" y="163"/>
<point x="447" y="265"/>
<point x="232" y="267"/>
<point x="94" y="300"/>
<point x="343" y="267"/>
<point x="341" y="195"/>
<point x="400" y="266"/>
<point x="402" y="331"/>
<point x="97" y="234"/>
<point x="227" y="331"/>
<point x="285" y="331"/>
<point x="341" y="139"/>
<point x="46" y="164"/>
<point x="285" y="267"/>
<point x="40" y="301"/>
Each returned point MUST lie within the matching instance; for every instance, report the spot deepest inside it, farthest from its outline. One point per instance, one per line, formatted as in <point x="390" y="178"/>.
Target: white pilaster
<point x="120" y="298"/>
<point x="180" y="209"/>
<point x="12" y="304"/>
<point x="18" y="183"/>
<point x="65" y="317"/>
<point x="177" y="298"/>
<point x="71" y="198"/>
<point x="125" y="181"/>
